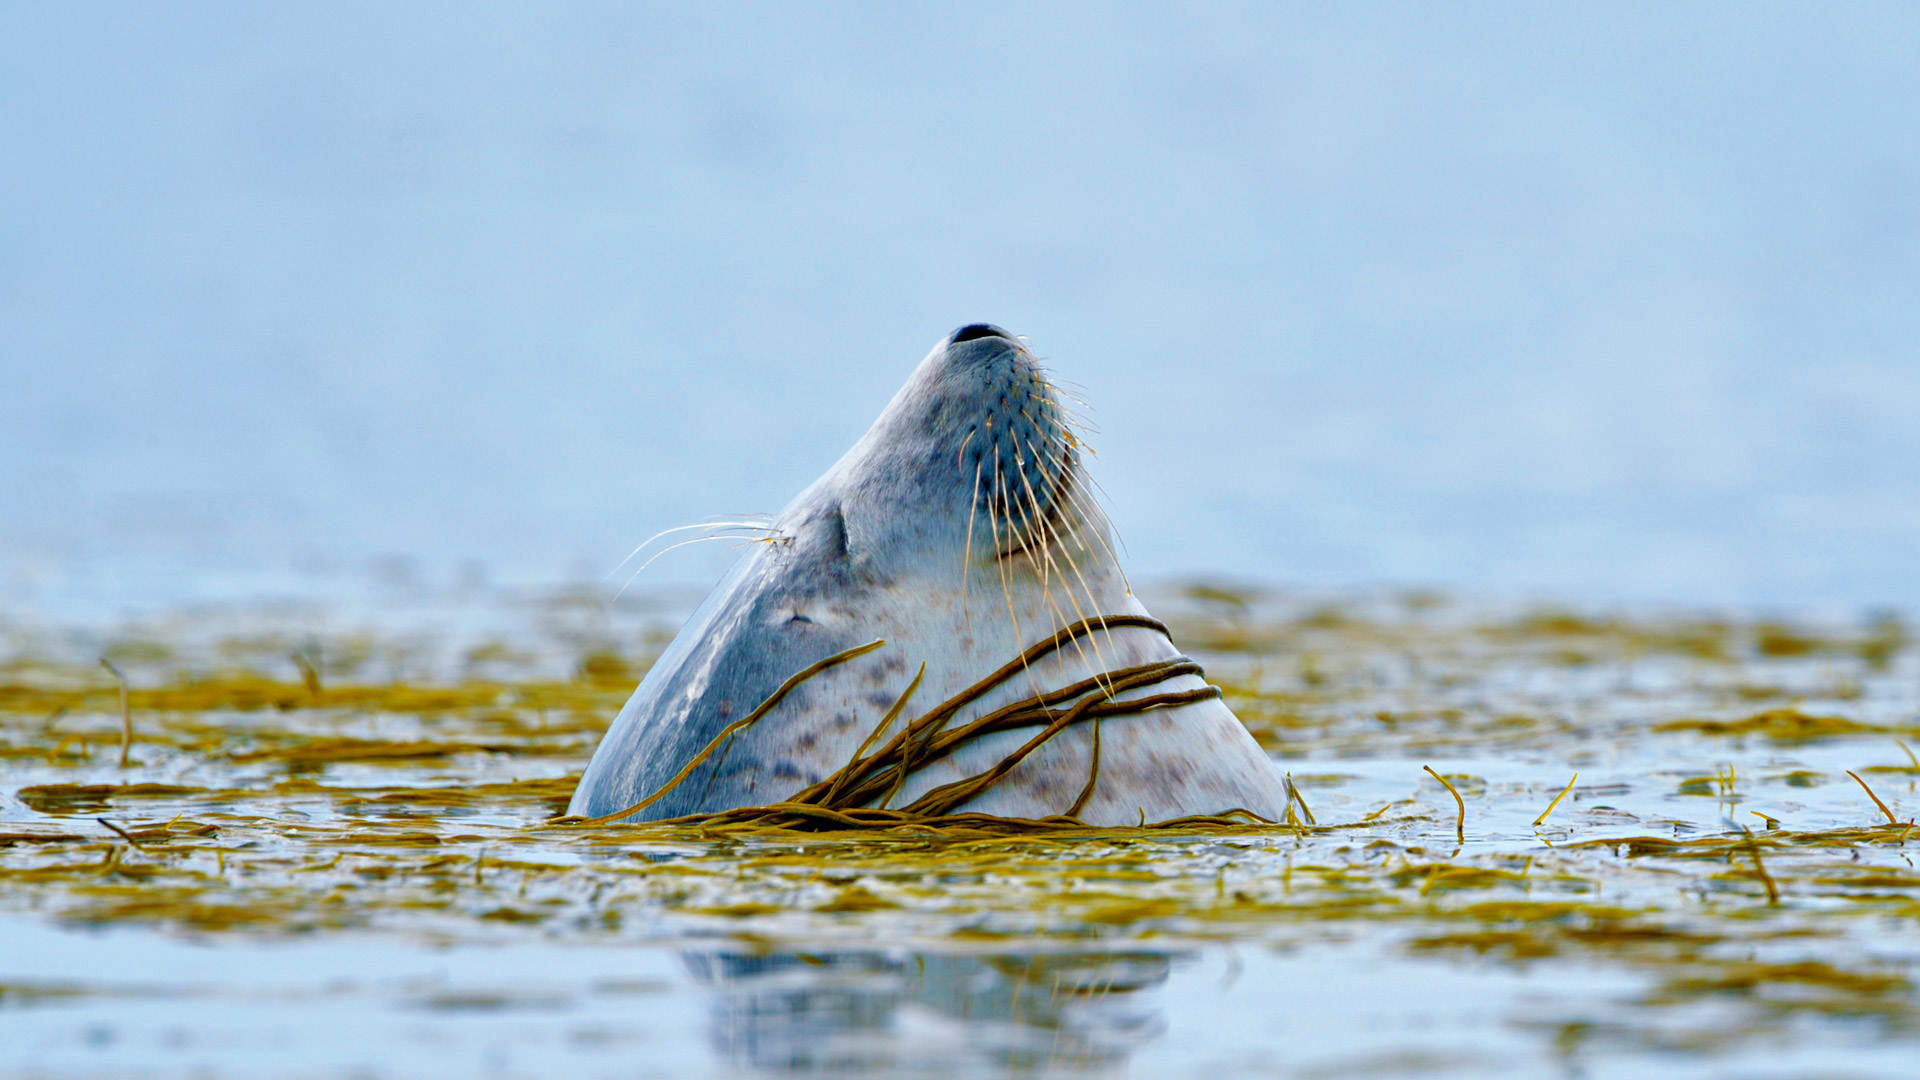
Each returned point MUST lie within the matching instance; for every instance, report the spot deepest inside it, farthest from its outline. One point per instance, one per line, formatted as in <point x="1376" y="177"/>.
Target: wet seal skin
<point x="960" y="530"/>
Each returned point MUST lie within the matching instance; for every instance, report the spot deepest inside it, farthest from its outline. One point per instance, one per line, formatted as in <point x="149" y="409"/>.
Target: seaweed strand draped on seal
<point x="938" y="623"/>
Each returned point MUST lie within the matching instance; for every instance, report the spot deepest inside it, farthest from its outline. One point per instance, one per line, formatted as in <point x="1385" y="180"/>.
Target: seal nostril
<point x="975" y="331"/>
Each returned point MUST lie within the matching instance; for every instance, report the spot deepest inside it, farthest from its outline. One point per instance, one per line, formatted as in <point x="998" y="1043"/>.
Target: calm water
<point x="349" y="333"/>
<point x="1602" y="305"/>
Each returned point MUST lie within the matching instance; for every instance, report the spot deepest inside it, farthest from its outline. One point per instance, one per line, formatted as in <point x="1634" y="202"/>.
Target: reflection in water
<point x="822" y="1012"/>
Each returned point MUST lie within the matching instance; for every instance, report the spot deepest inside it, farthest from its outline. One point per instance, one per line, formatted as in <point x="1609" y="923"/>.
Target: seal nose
<point x="975" y="331"/>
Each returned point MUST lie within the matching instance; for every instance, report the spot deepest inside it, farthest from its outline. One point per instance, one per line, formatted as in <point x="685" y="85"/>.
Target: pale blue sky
<point x="1599" y="303"/>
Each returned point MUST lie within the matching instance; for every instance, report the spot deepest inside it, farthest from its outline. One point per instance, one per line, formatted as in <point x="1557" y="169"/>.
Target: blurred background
<point x="1614" y="304"/>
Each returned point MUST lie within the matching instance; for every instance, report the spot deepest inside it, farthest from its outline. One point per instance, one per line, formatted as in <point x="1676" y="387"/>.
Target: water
<point x="357" y="880"/>
<point x="1507" y="299"/>
<point x="353" y="334"/>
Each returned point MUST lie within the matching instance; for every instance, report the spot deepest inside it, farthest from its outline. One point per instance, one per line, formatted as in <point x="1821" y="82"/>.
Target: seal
<point x="957" y="539"/>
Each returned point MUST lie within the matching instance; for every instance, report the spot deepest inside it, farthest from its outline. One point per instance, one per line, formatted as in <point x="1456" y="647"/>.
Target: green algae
<point x="271" y="801"/>
<point x="1780" y="725"/>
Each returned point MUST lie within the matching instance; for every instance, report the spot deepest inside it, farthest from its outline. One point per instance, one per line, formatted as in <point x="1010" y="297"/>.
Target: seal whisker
<point x="1063" y="463"/>
<point x="1102" y="500"/>
<point x="1075" y="417"/>
<point x="966" y="554"/>
<point x="1089" y="507"/>
<point x="1088" y="519"/>
<point x="1025" y="538"/>
<point x="1035" y="526"/>
<point x="1047" y="573"/>
<point x="1096" y="663"/>
<point x="1073" y="388"/>
<point x="757" y="526"/>
<point x="1067" y="553"/>
<point x="1036" y="519"/>
<point x="1099" y="492"/>
<point x="1061" y="388"/>
<point x="1083" y="522"/>
<point x="1006" y="587"/>
<point x="1030" y="536"/>
<point x="670" y="547"/>
<point x="1053" y="523"/>
<point x="1028" y="521"/>
<point x="1042" y="522"/>
<point x="1067" y="431"/>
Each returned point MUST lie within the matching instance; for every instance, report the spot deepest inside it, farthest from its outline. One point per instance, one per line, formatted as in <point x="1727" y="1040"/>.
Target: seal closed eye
<point x="1019" y="675"/>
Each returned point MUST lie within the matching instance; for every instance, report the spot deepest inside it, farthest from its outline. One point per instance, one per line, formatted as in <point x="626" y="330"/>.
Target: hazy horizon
<point x="1608" y="306"/>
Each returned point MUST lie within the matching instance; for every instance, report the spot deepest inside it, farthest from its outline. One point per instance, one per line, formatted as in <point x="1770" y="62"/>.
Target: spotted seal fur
<point x="959" y="530"/>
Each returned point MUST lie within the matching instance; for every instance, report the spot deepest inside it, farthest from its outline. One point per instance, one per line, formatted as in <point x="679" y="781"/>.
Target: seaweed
<point x="264" y="803"/>
<point x="842" y="800"/>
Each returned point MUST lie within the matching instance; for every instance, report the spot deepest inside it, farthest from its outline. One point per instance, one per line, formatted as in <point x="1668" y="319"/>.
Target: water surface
<point x="339" y="864"/>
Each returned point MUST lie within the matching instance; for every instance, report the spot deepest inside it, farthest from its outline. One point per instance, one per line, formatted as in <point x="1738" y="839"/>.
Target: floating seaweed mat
<point x="150" y="903"/>
<point x="248" y="693"/>
<point x="386" y="839"/>
<point x="808" y="818"/>
<point x="1780" y="725"/>
<point x="335" y="748"/>
<point x="1718" y="846"/>
<point x="9" y="839"/>
<point x="80" y="798"/>
<point x="557" y="789"/>
<point x="1749" y="976"/>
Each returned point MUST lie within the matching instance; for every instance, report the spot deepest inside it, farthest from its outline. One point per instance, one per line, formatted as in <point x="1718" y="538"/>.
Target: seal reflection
<point x="871" y="1011"/>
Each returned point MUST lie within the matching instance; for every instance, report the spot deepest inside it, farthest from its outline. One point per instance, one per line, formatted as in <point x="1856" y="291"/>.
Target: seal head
<point x="960" y="530"/>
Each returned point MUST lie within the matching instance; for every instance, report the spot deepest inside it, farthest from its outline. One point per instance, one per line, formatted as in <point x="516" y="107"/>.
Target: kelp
<point x="1780" y="725"/>
<point x="805" y="818"/>
<point x="841" y="800"/>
